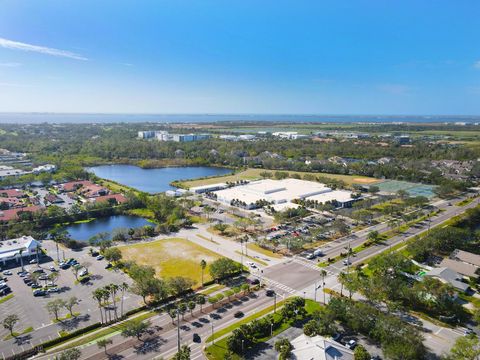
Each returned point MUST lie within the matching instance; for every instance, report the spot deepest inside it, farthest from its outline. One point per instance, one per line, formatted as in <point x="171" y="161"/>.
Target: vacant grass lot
<point x="252" y="174"/>
<point x="171" y="257"/>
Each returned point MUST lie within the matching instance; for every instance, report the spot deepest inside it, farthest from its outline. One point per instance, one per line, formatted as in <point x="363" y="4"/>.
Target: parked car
<point x="32" y="261"/>
<point x="337" y="337"/>
<point x="53" y="290"/>
<point x="36" y="286"/>
<point x="238" y="314"/>
<point x="83" y="272"/>
<point x="52" y="268"/>
<point x="43" y="277"/>
<point x="7" y="272"/>
<point x="255" y="282"/>
<point x="100" y="257"/>
<point x="63" y="266"/>
<point x="39" y="293"/>
<point x="95" y="253"/>
<point x="108" y="266"/>
<point x="468" y="331"/>
<point x="196" y="338"/>
<point x="85" y="279"/>
<point x="39" y="271"/>
<point x="6" y="290"/>
<point x="351" y="344"/>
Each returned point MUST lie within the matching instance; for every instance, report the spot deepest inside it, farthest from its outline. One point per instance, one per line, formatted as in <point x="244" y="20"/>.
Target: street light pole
<point x="213" y="336"/>
<point x="178" y="330"/>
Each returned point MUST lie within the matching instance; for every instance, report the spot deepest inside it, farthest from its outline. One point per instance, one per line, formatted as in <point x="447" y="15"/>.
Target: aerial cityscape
<point x="239" y="180"/>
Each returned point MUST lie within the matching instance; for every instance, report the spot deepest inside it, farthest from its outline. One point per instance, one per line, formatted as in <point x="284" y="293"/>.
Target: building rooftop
<point x="12" y="247"/>
<point x="460" y="267"/>
<point x="319" y="348"/>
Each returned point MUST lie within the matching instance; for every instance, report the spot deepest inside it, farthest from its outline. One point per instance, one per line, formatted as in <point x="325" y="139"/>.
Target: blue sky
<point x="264" y="56"/>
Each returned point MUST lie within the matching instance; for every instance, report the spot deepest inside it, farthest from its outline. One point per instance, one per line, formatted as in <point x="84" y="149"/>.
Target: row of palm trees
<point x="108" y="295"/>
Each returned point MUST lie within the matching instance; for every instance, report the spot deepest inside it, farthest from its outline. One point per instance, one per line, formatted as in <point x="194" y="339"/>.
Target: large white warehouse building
<point x="278" y="192"/>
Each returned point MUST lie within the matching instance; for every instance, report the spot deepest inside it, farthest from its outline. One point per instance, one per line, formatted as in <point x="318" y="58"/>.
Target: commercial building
<point x="13" y="249"/>
<point x="280" y="192"/>
<point x="208" y="188"/>
<point x="166" y="136"/>
<point x="319" y="348"/>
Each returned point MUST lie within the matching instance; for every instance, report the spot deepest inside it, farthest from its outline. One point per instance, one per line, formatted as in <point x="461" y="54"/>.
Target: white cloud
<point x="9" y="44"/>
<point x="10" y="64"/>
<point x="476" y="65"/>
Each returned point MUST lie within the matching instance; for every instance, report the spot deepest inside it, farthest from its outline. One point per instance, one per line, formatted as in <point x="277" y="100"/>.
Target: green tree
<point x="465" y="348"/>
<point x="135" y="328"/>
<point x="70" y="354"/>
<point x="54" y="307"/>
<point x="70" y="303"/>
<point x="191" y="306"/>
<point x="113" y="255"/>
<point x="203" y="265"/>
<point x="9" y="322"/>
<point x="223" y="267"/>
<point x="103" y="343"/>
<point x="200" y="299"/>
<point x="284" y="347"/>
<point x="183" y="354"/>
<point x="361" y="353"/>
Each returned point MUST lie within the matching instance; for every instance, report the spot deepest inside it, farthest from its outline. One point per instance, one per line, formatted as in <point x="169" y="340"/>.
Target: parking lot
<point x="32" y="310"/>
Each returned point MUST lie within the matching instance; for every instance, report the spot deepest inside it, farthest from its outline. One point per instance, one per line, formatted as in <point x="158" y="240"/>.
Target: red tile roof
<point x="119" y="198"/>
<point x="74" y="185"/>
<point x="11" y="193"/>
<point x="11" y="214"/>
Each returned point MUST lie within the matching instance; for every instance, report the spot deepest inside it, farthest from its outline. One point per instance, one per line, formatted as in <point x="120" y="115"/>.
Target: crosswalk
<point x="310" y="265"/>
<point x="276" y="284"/>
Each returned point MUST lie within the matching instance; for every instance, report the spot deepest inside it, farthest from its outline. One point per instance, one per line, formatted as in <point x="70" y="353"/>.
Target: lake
<point x="154" y="180"/>
<point x="84" y="231"/>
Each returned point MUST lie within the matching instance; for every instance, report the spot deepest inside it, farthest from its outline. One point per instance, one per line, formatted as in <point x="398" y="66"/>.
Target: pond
<point x="154" y="180"/>
<point x="84" y="231"/>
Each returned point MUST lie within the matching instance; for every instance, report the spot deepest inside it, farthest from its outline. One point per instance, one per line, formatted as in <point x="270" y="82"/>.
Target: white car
<point x="83" y="272"/>
<point x="100" y="257"/>
<point x="53" y="290"/>
<point x="351" y="344"/>
<point x="33" y="261"/>
<point x="346" y="262"/>
<point x="7" y="272"/>
<point x="52" y="268"/>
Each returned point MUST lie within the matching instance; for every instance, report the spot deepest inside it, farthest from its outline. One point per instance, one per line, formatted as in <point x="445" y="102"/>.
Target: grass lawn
<point x="252" y="174"/>
<point x="212" y="289"/>
<point x="266" y="252"/>
<point x="171" y="257"/>
<point x="145" y="213"/>
<point x="5" y="298"/>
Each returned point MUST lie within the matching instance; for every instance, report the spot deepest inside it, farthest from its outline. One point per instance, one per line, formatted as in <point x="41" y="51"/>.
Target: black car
<point x="238" y="314"/>
<point x="196" y="338"/>
<point x="255" y="282"/>
<point x="269" y="292"/>
<point x="337" y="337"/>
<point x="85" y="279"/>
<point x="39" y="293"/>
<point x="4" y="291"/>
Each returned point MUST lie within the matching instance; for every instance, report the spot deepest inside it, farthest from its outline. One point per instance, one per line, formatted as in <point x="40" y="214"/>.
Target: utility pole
<point x="274" y="302"/>
<point x="178" y="330"/>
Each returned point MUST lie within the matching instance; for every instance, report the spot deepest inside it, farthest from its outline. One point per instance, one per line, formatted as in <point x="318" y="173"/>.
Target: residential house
<point x="446" y="275"/>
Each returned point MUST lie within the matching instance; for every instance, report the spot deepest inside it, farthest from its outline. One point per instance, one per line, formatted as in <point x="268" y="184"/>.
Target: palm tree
<point x="98" y="295"/>
<point x="342" y="277"/>
<point x="113" y="288"/>
<point x="36" y="253"/>
<point x="103" y="343"/>
<point x="123" y="288"/>
<point x="323" y="273"/>
<point x="106" y="297"/>
<point x="203" y="265"/>
<point x="20" y="252"/>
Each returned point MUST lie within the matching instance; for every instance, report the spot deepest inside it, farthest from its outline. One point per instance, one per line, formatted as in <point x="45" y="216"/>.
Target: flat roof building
<point x="280" y="192"/>
<point x="10" y="249"/>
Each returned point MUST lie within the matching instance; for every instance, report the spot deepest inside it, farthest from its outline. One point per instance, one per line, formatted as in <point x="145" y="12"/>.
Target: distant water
<point x="35" y="118"/>
<point x="154" y="180"/>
